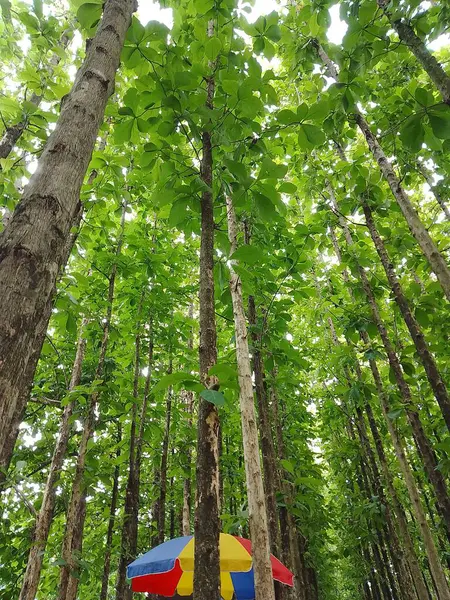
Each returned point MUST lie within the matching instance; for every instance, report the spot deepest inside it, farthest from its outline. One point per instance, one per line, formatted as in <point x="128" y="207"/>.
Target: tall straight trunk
<point x="271" y="479"/>
<point x="207" y="524"/>
<point x="68" y="583"/>
<point x="410" y="553"/>
<point x="388" y="535"/>
<point x="289" y="543"/>
<point x="436" y="569"/>
<point x="422" y="442"/>
<point x="434" y="377"/>
<point x="373" y="486"/>
<point x="419" y="514"/>
<point x="430" y="65"/>
<point x="187" y="487"/>
<point x="434" y="189"/>
<point x="131" y="508"/>
<point x="13" y="133"/>
<point x="111" y="521"/>
<point x="44" y="519"/>
<point x="11" y="437"/>
<point x="264" y="588"/>
<point x="161" y="515"/>
<point x="32" y="246"/>
<point x="431" y="252"/>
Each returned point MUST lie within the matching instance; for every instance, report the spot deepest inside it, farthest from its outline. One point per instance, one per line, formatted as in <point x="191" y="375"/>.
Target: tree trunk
<point x="161" y="516"/>
<point x="130" y="519"/>
<point x="44" y="520"/>
<point x="264" y="588"/>
<point x="14" y="132"/>
<point x="271" y="479"/>
<point x="111" y="521"/>
<point x="33" y="243"/>
<point x="189" y="407"/>
<point x="422" y="443"/>
<point x="430" y="250"/>
<point x="207" y="524"/>
<point x="419" y="514"/>
<point x="427" y="538"/>
<point x="434" y="377"/>
<point x="410" y="553"/>
<point x="418" y="230"/>
<point x="68" y="584"/>
<point x="288" y="530"/>
<point x="429" y="63"/>
<point x="434" y="189"/>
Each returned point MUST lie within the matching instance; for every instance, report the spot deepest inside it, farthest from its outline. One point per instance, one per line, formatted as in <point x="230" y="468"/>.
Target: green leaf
<point x="122" y="132"/>
<point x="287" y="117"/>
<point x="265" y="207"/>
<point x="314" y="134"/>
<point x="440" y="124"/>
<point x="89" y="15"/>
<point x="412" y="133"/>
<point x="174" y="379"/>
<point x="288" y="466"/>
<point x="247" y="254"/>
<point x="214" y="397"/>
<point x="212" y="48"/>
<point x="273" y="33"/>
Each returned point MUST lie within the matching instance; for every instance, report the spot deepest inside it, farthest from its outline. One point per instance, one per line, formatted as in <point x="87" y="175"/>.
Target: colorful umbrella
<point x="169" y="569"/>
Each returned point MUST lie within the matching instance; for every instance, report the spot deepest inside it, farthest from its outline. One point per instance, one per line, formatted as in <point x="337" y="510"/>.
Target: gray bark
<point x="33" y="243"/>
<point x="264" y="588"/>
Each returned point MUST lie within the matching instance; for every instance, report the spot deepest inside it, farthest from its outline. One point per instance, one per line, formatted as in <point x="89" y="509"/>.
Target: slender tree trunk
<point x="435" y="259"/>
<point x="207" y="524"/>
<point x="68" y="584"/>
<point x="434" y="189"/>
<point x="429" y="63"/>
<point x="423" y="445"/>
<point x="290" y="548"/>
<point x="434" y="377"/>
<point x="427" y="538"/>
<point x="111" y="521"/>
<point x="161" y="516"/>
<point x="12" y="133"/>
<point x="44" y="520"/>
<point x="419" y="514"/>
<point x="33" y="243"/>
<point x="271" y="479"/>
<point x="189" y="407"/>
<point x="410" y="553"/>
<point x="264" y="588"/>
<point x="131" y="508"/>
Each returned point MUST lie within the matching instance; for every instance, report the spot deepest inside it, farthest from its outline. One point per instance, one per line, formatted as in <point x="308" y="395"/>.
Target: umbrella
<point x="169" y="568"/>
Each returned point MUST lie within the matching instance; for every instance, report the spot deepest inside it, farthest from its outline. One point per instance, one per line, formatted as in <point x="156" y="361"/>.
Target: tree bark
<point x="33" y="243"/>
<point x="13" y="133"/>
<point x="434" y="189"/>
<point x="429" y="63"/>
<point x="410" y="553"/>
<point x="430" y="250"/>
<point x="434" y="377"/>
<point x="422" y="443"/>
<point x="44" y="520"/>
<point x="264" y="588"/>
<point x="111" y="521"/>
<point x="271" y="479"/>
<point x="187" y="487"/>
<point x="68" y="584"/>
<point x="207" y="524"/>
<point x="130" y="520"/>
<point x="419" y="514"/>
<point x="427" y="538"/>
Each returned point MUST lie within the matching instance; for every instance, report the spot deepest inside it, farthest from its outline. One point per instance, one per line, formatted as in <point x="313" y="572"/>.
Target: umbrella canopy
<point x="169" y="569"/>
